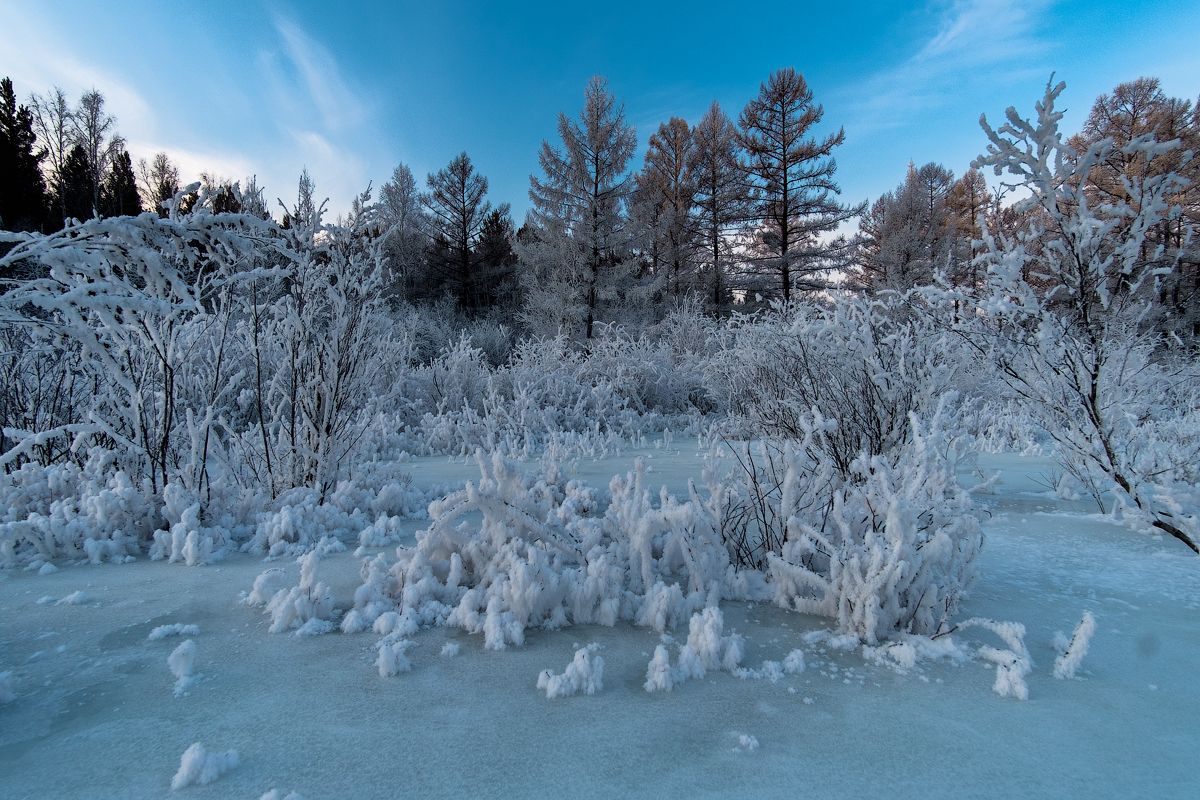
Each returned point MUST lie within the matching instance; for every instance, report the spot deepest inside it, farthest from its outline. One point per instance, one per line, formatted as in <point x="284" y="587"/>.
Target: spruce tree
<point x="22" y="189"/>
<point x="119" y="195"/>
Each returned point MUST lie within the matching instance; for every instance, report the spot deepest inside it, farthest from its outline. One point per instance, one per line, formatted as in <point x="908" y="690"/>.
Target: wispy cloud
<point x="986" y="38"/>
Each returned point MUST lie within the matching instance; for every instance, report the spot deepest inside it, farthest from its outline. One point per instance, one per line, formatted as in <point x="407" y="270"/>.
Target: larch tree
<point x="907" y="235"/>
<point x="665" y="191"/>
<point x="721" y="204"/>
<point x="576" y="251"/>
<point x="457" y="209"/>
<point x="1136" y="110"/>
<point x="790" y="175"/>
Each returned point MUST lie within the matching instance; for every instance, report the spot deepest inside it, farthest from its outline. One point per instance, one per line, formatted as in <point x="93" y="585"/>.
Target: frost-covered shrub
<point x="707" y="649"/>
<point x="545" y="554"/>
<point x="584" y="674"/>
<point x="182" y="663"/>
<point x="198" y="766"/>
<point x="1074" y="649"/>
<point x="64" y="511"/>
<point x="307" y="607"/>
<point x="894" y="550"/>
<point x="1013" y="663"/>
<point x="1065" y="317"/>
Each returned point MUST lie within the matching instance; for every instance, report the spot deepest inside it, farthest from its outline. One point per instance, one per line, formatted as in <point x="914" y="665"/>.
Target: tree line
<point x="726" y="214"/>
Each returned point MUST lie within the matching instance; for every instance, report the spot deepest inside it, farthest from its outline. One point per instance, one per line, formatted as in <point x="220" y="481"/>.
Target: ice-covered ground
<point x="96" y="715"/>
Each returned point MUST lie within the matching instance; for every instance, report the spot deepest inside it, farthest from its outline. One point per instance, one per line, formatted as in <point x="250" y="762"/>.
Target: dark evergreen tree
<point x="119" y="195"/>
<point x="75" y="190"/>
<point x="22" y="190"/>
<point x="497" y="260"/>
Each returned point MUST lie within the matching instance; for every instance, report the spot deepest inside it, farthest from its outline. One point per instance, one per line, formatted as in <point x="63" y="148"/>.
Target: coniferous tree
<point x="74" y="189"/>
<point x="664" y="205"/>
<point x="720" y="199"/>
<point x="576" y="265"/>
<point x="22" y="189"/>
<point x="119" y="196"/>
<point x="791" y="177"/>
<point x="456" y="208"/>
<point x="405" y="233"/>
<point x="497" y="260"/>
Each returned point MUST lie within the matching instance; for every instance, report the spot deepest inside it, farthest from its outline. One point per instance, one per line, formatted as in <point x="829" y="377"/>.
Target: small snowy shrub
<point x="706" y="649"/>
<point x="895" y="550"/>
<point x="1076" y="648"/>
<point x="584" y="674"/>
<point x="307" y="607"/>
<point x="199" y="767"/>
<point x="174" y="629"/>
<point x="182" y="663"/>
<point x="1012" y="664"/>
<point x="393" y="658"/>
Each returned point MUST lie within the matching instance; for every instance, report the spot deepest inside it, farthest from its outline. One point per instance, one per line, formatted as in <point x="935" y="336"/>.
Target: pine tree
<point x="457" y="208"/>
<point x="22" y="189"/>
<point x="576" y="258"/>
<point x="720" y="198"/>
<point x="791" y="178"/>
<point x="119" y="195"/>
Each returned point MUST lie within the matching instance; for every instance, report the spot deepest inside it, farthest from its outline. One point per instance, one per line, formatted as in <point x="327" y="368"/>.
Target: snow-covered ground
<point x="95" y="713"/>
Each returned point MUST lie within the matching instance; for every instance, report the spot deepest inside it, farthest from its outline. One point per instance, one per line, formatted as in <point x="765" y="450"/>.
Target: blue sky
<point x="267" y="88"/>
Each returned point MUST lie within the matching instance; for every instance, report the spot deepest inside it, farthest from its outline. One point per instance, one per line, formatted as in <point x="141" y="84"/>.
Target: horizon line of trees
<point x="721" y="212"/>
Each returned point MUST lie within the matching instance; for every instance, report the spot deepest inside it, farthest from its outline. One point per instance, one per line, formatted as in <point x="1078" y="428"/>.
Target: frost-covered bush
<point x="895" y="550"/>
<point x="511" y="552"/>
<point x="65" y="511"/>
<point x="708" y="648"/>
<point x="1074" y="649"/>
<point x="1065" y="317"/>
<point x="584" y="674"/>
<point x="307" y="607"/>
<point x="198" y="766"/>
<point x="182" y="664"/>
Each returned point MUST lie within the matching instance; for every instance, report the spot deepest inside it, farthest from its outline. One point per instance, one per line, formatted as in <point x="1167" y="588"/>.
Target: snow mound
<point x="274" y="794"/>
<point x="450" y="649"/>
<point x="584" y="674"/>
<point x="198" y="767"/>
